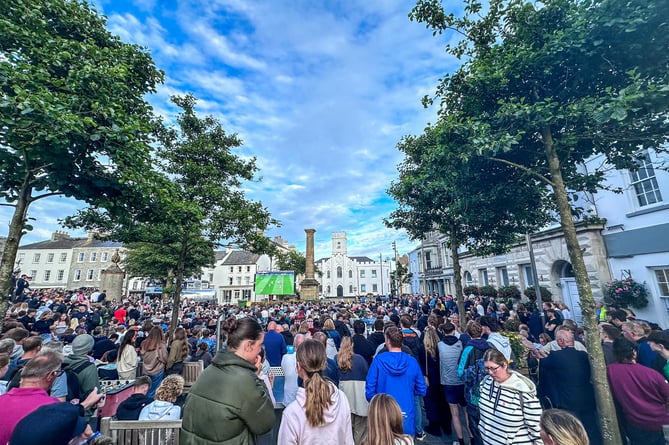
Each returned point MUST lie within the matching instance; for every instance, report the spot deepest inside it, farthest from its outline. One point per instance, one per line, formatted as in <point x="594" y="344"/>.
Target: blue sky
<point x="320" y="92"/>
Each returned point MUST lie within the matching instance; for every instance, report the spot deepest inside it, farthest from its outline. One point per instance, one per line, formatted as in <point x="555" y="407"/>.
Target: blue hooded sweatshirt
<point x="397" y="374"/>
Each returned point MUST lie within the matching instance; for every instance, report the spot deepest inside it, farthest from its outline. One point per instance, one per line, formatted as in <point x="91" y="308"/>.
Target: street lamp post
<point x="397" y="278"/>
<point x="381" y="271"/>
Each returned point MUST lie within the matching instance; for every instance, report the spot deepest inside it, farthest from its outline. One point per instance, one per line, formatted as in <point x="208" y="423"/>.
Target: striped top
<point x="510" y="411"/>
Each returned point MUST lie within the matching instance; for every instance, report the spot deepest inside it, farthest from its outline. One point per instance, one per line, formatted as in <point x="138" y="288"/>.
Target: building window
<point x="248" y="268"/>
<point x="36" y="258"/>
<point x="94" y="256"/>
<point x="89" y="275"/>
<point x="483" y="277"/>
<point x="644" y="183"/>
<point x="63" y="257"/>
<point x="468" y="279"/>
<point x="227" y="296"/>
<point x="428" y="260"/>
<point x="528" y="275"/>
<point x="328" y="274"/>
<point x="22" y="256"/>
<point x="328" y="290"/>
<point x="375" y="288"/>
<point x="80" y="258"/>
<point x="362" y="274"/>
<point x="61" y="275"/>
<point x="239" y="268"/>
<point x="350" y="289"/>
<point x="230" y="281"/>
<point x="49" y="258"/>
<point x="373" y="273"/>
<point x="239" y="280"/>
<point x="33" y="274"/>
<point x="105" y="257"/>
<point x="340" y="272"/>
<point x="237" y="293"/>
<point x="211" y="277"/>
<point x="502" y="276"/>
<point x="350" y="274"/>
<point x="363" y="288"/>
<point x="246" y="294"/>
<point x="77" y="275"/>
<point x="232" y="269"/>
<point x="47" y="275"/>
<point x="662" y="277"/>
<point x="247" y="280"/>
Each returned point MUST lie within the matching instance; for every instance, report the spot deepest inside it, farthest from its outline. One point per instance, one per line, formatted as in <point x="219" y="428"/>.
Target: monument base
<point x="309" y="289"/>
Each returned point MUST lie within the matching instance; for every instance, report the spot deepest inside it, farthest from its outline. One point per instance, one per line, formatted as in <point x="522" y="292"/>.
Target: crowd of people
<point x="362" y="371"/>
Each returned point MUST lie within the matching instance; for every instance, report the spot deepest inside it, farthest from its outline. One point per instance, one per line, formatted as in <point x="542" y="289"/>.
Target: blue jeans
<point x="155" y="383"/>
<point x="418" y="407"/>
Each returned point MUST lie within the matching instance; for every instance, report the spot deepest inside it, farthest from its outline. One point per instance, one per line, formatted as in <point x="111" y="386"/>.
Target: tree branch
<point x="525" y="169"/>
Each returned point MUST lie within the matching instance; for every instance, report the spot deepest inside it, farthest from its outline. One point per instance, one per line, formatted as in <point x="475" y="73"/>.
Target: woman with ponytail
<point x="228" y="403"/>
<point x="320" y="413"/>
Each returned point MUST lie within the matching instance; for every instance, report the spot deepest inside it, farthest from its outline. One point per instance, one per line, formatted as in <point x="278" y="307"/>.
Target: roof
<point x="359" y="259"/>
<point x="241" y="257"/>
<point x="69" y="243"/>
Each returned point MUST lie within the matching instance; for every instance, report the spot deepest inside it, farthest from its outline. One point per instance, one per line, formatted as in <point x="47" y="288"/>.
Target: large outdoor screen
<point x="275" y="283"/>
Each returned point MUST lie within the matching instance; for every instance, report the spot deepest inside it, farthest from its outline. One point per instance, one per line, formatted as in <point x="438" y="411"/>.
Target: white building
<point x="637" y="230"/>
<point x="633" y="241"/>
<point x="345" y="276"/>
<point x="65" y="262"/>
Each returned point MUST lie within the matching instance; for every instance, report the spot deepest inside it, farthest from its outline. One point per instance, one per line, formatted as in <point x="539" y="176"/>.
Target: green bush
<point x="506" y="292"/>
<point x="546" y="295"/>
<point x="488" y="291"/>
<point x="469" y="290"/>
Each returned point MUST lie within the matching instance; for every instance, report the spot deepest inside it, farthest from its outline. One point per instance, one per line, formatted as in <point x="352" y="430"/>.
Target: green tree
<point x="400" y="276"/>
<point x="560" y="82"/>
<point x="442" y="187"/>
<point x="291" y="260"/>
<point x="200" y="205"/>
<point x="73" y="119"/>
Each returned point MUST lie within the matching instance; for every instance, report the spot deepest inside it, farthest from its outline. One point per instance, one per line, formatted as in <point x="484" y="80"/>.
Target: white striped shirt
<point x="510" y="411"/>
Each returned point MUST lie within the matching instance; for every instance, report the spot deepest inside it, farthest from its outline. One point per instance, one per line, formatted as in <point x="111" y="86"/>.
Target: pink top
<point x="18" y="403"/>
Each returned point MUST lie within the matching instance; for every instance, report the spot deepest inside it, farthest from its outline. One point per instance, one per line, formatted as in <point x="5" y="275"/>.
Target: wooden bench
<point x="141" y="432"/>
<point x="191" y="372"/>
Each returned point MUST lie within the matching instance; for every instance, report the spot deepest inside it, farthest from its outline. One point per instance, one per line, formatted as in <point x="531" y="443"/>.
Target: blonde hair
<point x="345" y="355"/>
<point x="304" y="328"/>
<point x="384" y="422"/>
<point x="170" y="388"/>
<point x="312" y="359"/>
<point x="430" y="341"/>
<point x="564" y="428"/>
<point x="329" y="325"/>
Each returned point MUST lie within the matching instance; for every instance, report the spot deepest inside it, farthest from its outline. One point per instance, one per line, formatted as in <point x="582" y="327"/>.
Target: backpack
<point x="14" y="379"/>
<point x="473" y="375"/>
<point x="73" y="385"/>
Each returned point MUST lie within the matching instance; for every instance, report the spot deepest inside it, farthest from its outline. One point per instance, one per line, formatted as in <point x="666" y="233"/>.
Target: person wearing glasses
<point x="37" y="377"/>
<point x="509" y="408"/>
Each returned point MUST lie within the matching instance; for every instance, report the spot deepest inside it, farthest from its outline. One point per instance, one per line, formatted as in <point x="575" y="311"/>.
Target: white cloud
<point x="320" y="93"/>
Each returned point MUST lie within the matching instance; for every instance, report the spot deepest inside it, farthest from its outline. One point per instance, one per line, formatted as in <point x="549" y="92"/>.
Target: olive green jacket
<point x="227" y="405"/>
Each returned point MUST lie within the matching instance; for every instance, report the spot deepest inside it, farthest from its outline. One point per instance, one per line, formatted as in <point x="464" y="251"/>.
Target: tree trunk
<point x="609" y="421"/>
<point x="457" y="276"/>
<point x="11" y="248"/>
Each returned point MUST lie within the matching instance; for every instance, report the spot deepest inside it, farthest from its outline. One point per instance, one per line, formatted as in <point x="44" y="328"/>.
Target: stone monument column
<point x="309" y="286"/>
<point x="112" y="279"/>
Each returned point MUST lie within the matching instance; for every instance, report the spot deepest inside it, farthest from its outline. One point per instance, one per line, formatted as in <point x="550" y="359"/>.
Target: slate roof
<point x="70" y="243"/>
<point x="241" y="257"/>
